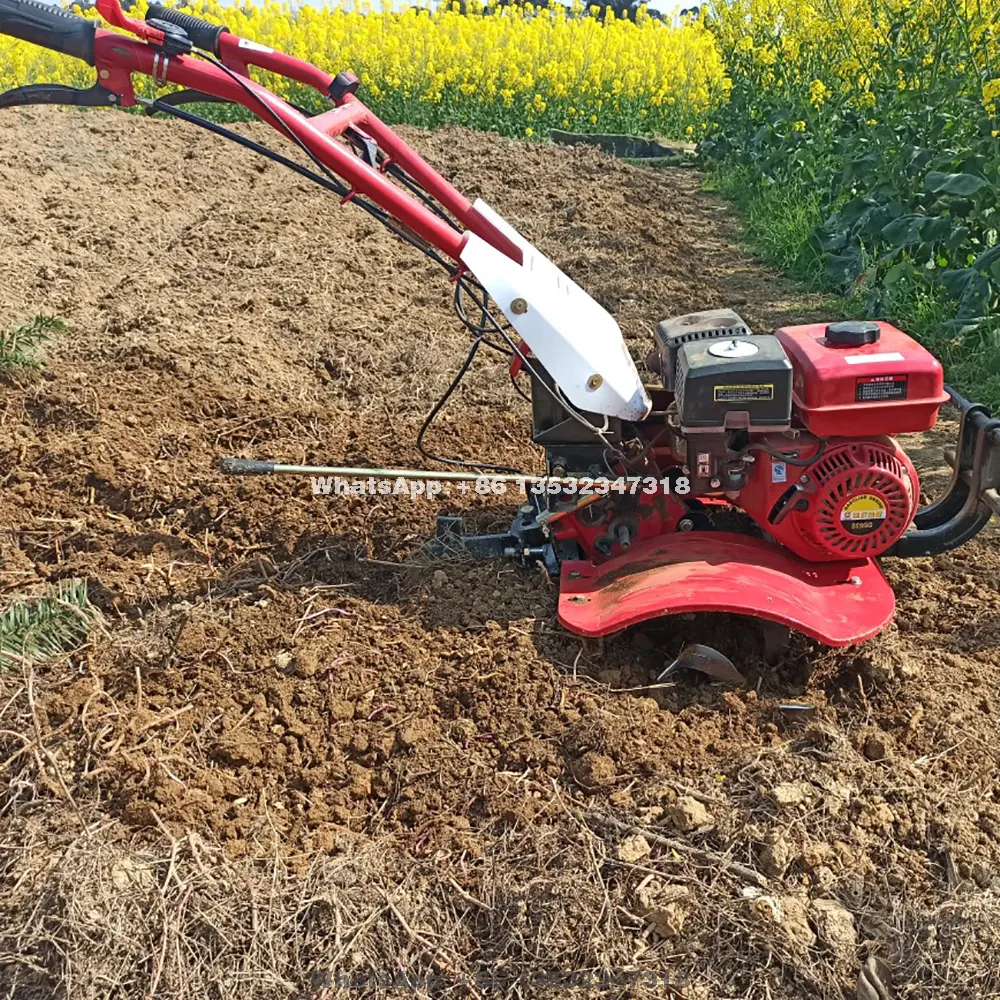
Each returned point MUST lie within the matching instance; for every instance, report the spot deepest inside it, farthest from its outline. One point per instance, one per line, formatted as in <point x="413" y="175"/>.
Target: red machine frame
<point x="117" y="57"/>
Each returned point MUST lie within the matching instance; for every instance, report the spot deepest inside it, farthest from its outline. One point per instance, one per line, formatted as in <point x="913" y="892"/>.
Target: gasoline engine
<point x="796" y="428"/>
<point x="793" y="429"/>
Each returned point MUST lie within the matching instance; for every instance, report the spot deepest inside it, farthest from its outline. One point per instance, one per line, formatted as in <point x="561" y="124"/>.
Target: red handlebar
<point x="162" y="50"/>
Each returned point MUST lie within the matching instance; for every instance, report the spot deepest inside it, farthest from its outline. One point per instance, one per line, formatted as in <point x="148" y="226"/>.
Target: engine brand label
<point x="743" y="393"/>
<point x="863" y="514"/>
<point x="875" y="388"/>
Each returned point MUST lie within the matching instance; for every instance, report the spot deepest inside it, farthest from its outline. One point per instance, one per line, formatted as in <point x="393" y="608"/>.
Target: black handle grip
<point x="203" y="34"/>
<point x="49" y="26"/>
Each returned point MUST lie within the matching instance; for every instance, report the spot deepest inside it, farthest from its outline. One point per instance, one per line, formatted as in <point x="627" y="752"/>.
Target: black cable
<point x="238" y="79"/>
<point x="394" y="170"/>
<point x="553" y="391"/>
<point x="477" y="330"/>
<point x="256" y="147"/>
<point x="518" y="389"/>
<point x="467" y="284"/>
<point x="379" y="213"/>
<point x="455" y="382"/>
<point x="774" y="453"/>
<point x="480" y="331"/>
<point x="387" y="220"/>
<point x="332" y="185"/>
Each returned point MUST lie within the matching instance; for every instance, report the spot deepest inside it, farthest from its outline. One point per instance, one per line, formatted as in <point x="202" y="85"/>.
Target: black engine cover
<point x="734" y="383"/>
<point x="673" y="333"/>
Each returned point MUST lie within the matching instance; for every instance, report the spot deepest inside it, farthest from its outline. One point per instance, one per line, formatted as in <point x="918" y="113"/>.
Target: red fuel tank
<point x="862" y="379"/>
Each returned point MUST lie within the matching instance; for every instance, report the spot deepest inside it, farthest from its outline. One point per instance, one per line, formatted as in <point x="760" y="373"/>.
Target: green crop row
<point x="861" y="141"/>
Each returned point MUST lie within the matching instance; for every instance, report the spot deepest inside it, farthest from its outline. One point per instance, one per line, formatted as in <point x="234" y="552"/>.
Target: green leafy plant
<point x="39" y="629"/>
<point x="19" y="348"/>
<point x="862" y="142"/>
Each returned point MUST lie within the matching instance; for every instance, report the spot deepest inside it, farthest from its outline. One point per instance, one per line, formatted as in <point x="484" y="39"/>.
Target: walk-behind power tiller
<point x="758" y="475"/>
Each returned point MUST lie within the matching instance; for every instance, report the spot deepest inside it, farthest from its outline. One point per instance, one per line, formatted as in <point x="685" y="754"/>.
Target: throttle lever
<point x="56" y="93"/>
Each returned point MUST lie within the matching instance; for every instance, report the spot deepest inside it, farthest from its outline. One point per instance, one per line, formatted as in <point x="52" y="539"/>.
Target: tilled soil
<point x="282" y="674"/>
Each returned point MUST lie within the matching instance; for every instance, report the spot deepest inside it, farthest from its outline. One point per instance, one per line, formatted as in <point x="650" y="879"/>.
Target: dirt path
<point x="267" y="685"/>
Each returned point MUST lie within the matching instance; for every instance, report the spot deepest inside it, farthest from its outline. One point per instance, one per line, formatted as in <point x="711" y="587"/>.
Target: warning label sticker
<point x="863" y="514"/>
<point x="875" y="388"/>
<point x="743" y="393"/>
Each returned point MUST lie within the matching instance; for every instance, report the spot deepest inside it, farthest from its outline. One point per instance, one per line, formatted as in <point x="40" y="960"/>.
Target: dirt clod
<point x="790" y="916"/>
<point x="782" y="919"/>
<point x="687" y="813"/>
<point x="307" y="663"/>
<point x="835" y="927"/>
<point x="633" y="849"/>
<point x="238" y="750"/>
<point x="665" y="907"/>
<point x="595" y="770"/>
<point x="791" y="795"/>
<point x="794" y="923"/>
<point x="776" y="854"/>
<point x="876" y="747"/>
<point x="415" y="733"/>
<point x="127" y="874"/>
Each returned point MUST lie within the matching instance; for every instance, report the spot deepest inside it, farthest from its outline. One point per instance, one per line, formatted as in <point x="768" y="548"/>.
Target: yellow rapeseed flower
<point x="818" y="93"/>
<point x="546" y="65"/>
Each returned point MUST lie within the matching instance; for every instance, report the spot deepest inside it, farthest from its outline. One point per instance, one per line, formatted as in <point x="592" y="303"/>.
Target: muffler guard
<point x="836" y="603"/>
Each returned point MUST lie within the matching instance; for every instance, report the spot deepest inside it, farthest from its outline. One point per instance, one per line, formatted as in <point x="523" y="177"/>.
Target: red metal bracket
<point x="112" y="12"/>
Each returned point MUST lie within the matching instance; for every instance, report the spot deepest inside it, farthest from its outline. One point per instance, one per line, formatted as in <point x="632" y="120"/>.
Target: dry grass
<point x="185" y="922"/>
<point x="88" y="911"/>
<point x="93" y="917"/>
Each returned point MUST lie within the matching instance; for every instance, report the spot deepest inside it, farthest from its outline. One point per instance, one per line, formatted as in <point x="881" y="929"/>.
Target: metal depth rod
<point x="254" y="467"/>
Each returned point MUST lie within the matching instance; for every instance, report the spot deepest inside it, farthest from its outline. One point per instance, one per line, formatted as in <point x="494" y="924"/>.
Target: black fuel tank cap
<point x="852" y="333"/>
